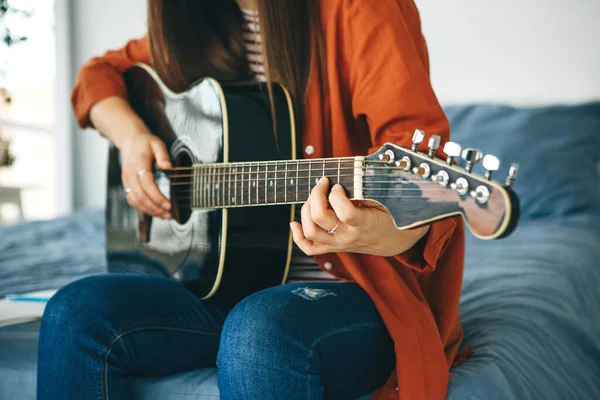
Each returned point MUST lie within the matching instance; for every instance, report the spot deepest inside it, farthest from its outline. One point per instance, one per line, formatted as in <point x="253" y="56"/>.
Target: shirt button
<point x="328" y="265"/>
<point x="309" y="149"/>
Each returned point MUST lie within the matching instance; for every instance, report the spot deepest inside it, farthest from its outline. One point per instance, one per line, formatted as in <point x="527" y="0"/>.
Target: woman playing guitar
<point x="373" y="311"/>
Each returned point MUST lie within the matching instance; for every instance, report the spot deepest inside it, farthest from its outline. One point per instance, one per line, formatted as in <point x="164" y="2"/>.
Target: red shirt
<point x="378" y="91"/>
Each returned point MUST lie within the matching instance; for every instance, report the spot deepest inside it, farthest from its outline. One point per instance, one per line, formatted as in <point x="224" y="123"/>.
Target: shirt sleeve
<point x="101" y="77"/>
<point x="391" y="91"/>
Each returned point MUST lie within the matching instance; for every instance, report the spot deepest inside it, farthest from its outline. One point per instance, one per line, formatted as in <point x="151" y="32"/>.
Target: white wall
<point x="97" y="26"/>
<point x="513" y="51"/>
<point x="510" y="51"/>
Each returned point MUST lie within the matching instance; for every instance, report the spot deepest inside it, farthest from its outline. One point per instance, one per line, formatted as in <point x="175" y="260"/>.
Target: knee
<point x="256" y="328"/>
<point x="75" y="308"/>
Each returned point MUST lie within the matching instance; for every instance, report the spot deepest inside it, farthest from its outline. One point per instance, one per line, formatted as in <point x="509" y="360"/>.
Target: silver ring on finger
<point x="128" y="191"/>
<point x="332" y="231"/>
<point x="142" y="172"/>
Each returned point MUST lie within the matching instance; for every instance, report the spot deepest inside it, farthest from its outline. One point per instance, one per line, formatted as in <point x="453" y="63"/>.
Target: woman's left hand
<point x="362" y="229"/>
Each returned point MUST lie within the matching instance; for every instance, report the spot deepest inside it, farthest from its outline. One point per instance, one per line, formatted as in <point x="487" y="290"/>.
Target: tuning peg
<point x="512" y="174"/>
<point x="452" y="150"/>
<point x="434" y="144"/>
<point x="491" y="164"/>
<point x="461" y="186"/>
<point x="471" y="156"/>
<point x="417" y="139"/>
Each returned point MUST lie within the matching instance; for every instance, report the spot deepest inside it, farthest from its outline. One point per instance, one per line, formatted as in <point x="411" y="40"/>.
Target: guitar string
<point x="273" y="162"/>
<point x="278" y="200"/>
<point x="275" y="175"/>
<point x="220" y="205"/>
<point x="315" y="161"/>
<point x="298" y="161"/>
<point x="283" y="186"/>
<point x="281" y="198"/>
<point x="225" y="196"/>
<point x="366" y="185"/>
<point x="216" y="171"/>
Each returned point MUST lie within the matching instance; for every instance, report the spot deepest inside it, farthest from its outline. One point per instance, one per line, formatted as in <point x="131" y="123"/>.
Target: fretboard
<point x="266" y="183"/>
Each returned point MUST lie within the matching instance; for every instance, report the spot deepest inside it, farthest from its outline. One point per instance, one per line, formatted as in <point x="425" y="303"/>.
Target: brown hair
<point x="191" y="39"/>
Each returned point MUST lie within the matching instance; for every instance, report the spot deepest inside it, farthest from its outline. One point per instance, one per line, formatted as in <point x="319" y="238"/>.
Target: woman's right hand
<point x="139" y="151"/>
<point x="114" y="118"/>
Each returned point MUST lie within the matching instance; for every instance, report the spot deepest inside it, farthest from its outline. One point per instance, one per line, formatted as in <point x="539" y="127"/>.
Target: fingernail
<point x="167" y="216"/>
<point x="337" y="186"/>
<point x="322" y="180"/>
<point x="166" y="206"/>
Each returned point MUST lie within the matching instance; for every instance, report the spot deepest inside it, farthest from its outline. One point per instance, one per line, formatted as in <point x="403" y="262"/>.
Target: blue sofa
<point x="529" y="305"/>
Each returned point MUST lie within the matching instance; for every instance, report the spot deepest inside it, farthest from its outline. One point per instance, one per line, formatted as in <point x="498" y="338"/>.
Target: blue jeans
<point x="296" y="341"/>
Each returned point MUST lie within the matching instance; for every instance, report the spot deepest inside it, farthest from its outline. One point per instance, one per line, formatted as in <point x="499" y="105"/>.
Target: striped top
<point x="303" y="268"/>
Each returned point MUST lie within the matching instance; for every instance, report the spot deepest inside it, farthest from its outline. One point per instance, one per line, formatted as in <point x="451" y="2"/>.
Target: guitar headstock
<point x="418" y="188"/>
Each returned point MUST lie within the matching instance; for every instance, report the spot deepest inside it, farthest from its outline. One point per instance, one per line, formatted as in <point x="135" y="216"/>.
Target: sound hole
<point x="181" y="188"/>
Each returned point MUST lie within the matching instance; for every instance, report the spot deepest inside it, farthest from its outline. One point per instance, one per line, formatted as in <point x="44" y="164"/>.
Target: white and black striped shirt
<point x="303" y="268"/>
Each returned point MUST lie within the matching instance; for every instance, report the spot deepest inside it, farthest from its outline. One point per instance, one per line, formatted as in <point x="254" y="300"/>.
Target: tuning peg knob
<point x="417" y="139"/>
<point x="434" y="144"/>
<point x="491" y="164"/>
<point x="481" y="194"/>
<point x="452" y="150"/>
<point x="512" y="174"/>
<point x="441" y="178"/>
<point x="461" y="186"/>
<point x="471" y="156"/>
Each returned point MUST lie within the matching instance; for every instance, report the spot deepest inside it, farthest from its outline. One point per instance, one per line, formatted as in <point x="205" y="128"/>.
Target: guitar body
<point x="225" y="253"/>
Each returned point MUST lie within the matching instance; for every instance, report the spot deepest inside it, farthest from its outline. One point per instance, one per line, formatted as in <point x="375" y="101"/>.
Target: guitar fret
<point x="199" y="188"/>
<point x="275" y="185"/>
<point x="217" y="173"/>
<point x="215" y="187"/>
<point x="297" y="174"/>
<point x="195" y="185"/>
<point x="212" y="184"/>
<point x="228" y="182"/>
<point x="215" y="184"/>
<point x="205" y="187"/>
<point x="242" y="184"/>
<point x="224" y="181"/>
<point x="249" y="184"/>
<point x="285" y="182"/>
<point x="266" y="177"/>
<point x="234" y="198"/>
<point x="256" y="183"/>
<point x="339" y="167"/>
<point x="309" y="177"/>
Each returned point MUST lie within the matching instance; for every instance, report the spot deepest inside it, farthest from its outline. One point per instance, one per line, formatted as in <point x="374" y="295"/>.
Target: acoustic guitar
<point x="236" y="181"/>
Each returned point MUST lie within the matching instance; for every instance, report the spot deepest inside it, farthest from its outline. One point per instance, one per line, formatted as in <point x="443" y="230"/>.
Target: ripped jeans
<point x="297" y="341"/>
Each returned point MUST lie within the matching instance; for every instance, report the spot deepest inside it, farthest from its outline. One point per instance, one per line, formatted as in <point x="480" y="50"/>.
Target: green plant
<point x="5" y="33"/>
<point x="8" y="39"/>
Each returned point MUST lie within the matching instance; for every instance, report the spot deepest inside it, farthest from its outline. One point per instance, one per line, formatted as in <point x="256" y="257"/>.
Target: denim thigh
<point x="304" y="341"/>
<point x="100" y="331"/>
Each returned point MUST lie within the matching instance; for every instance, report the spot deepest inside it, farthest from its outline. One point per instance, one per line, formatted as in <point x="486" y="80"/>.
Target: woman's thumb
<point x="160" y="154"/>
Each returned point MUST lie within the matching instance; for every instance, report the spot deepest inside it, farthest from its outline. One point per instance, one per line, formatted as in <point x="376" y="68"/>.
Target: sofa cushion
<point x="557" y="148"/>
<point x="43" y="255"/>
<point x="18" y="361"/>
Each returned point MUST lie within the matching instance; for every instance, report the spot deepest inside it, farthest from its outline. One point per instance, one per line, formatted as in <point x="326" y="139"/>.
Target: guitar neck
<point x="268" y="183"/>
